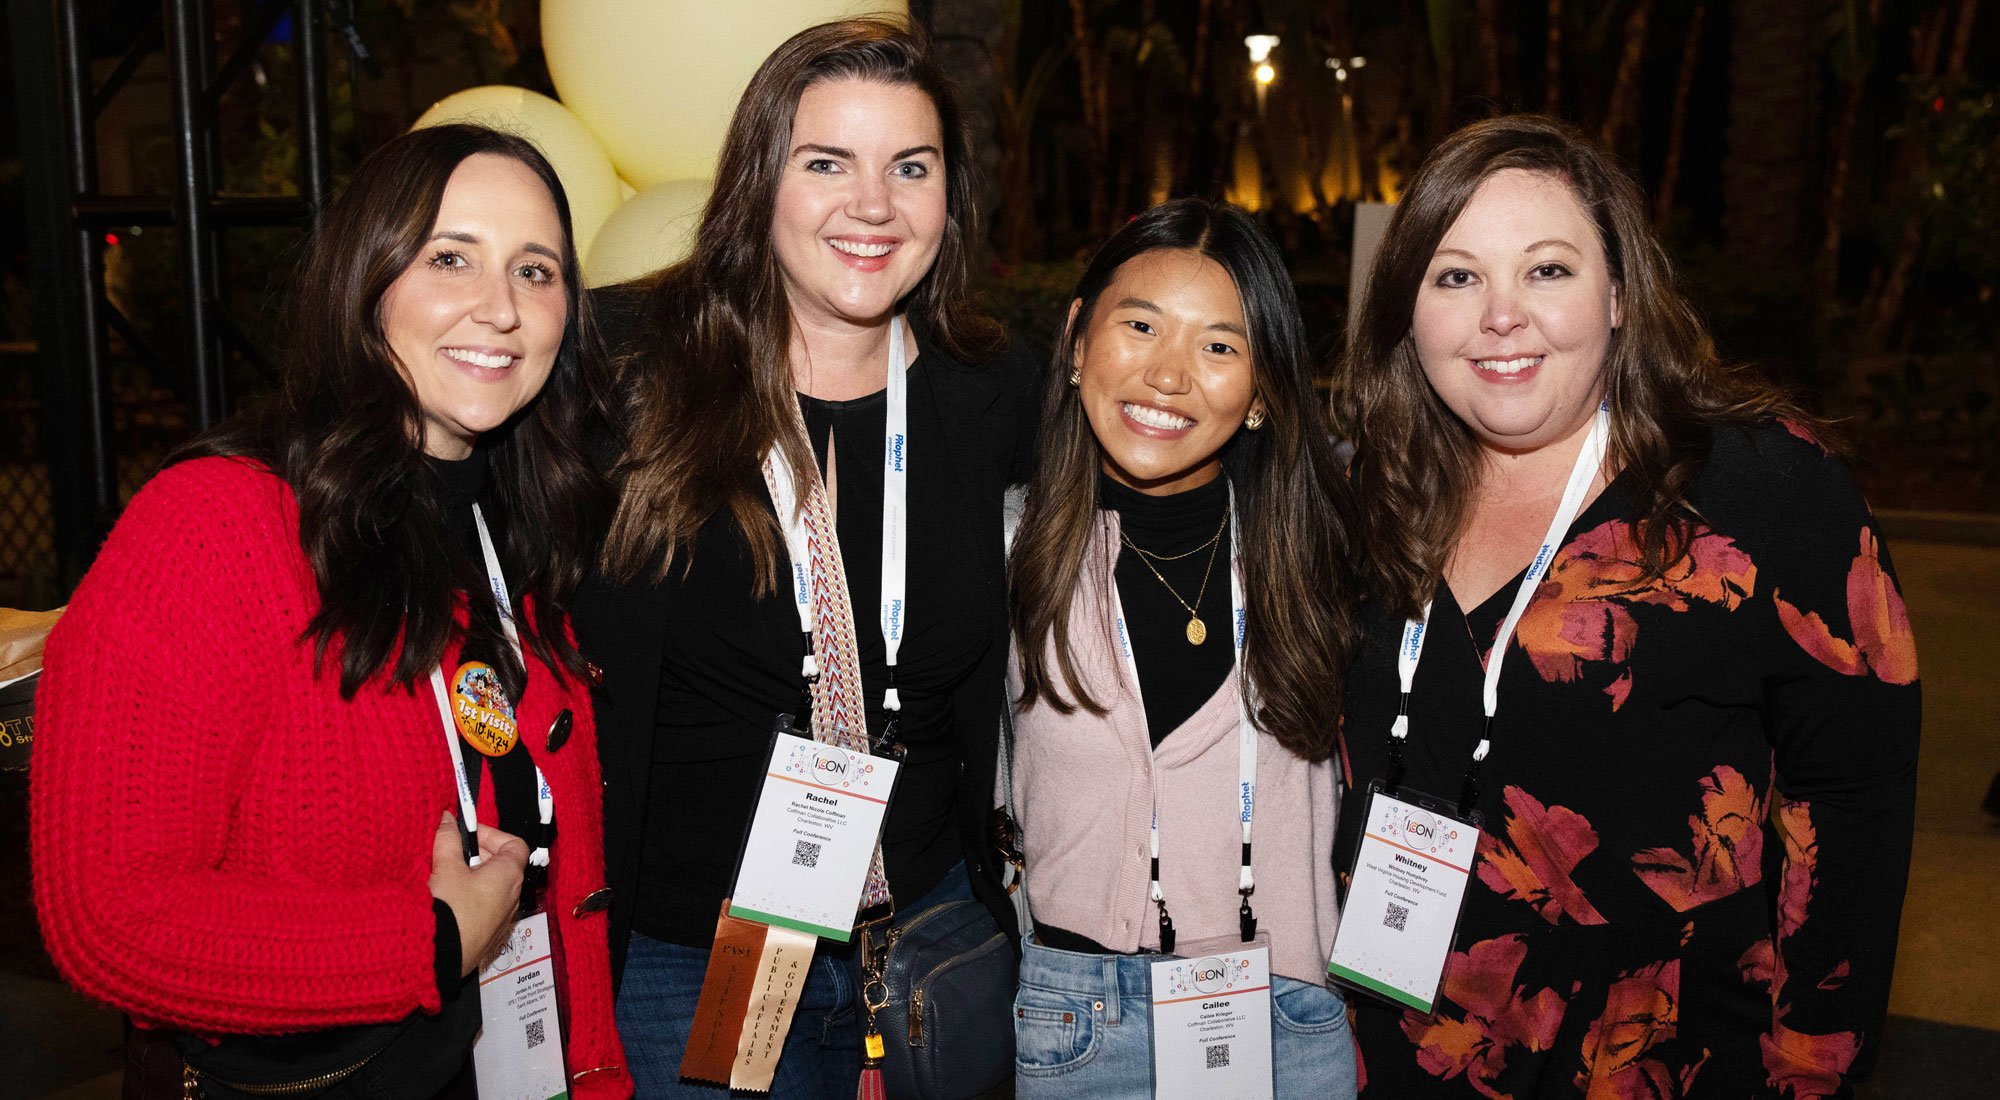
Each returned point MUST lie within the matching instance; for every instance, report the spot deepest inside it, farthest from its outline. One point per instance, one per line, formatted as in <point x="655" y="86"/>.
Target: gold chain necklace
<point x="1149" y="555"/>
<point x="1197" y="631"/>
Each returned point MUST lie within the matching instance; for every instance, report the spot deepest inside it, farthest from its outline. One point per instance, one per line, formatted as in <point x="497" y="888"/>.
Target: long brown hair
<point x="1291" y="501"/>
<point x="711" y="389"/>
<point x="345" y="432"/>
<point x="1416" y="462"/>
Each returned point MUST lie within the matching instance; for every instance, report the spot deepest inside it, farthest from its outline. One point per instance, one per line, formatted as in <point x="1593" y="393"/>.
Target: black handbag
<point x="415" y="1058"/>
<point x="948" y="1022"/>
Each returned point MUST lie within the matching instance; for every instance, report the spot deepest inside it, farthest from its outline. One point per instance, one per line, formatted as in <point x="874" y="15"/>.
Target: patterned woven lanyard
<point x="826" y="612"/>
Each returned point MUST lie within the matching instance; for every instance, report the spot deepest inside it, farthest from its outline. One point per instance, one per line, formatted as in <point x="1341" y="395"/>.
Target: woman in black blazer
<point x="840" y="224"/>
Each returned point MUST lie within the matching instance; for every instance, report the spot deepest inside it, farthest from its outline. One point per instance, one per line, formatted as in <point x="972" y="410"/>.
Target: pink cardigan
<point x="1083" y="794"/>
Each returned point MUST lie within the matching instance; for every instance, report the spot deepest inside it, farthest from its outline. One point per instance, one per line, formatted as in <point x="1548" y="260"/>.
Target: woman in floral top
<point x="1697" y="805"/>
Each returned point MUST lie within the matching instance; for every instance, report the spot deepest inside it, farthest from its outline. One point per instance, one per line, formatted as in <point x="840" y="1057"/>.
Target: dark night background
<point x="1823" y="172"/>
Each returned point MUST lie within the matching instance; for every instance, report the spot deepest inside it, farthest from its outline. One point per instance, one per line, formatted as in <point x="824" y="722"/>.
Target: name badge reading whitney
<point x="812" y="837"/>
<point x="1212" y="1026"/>
<point x="1405" y="897"/>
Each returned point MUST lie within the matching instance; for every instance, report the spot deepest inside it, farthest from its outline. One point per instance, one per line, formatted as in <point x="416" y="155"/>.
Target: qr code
<point x="806" y="854"/>
<point x="1396" y="917"/>
<point x="1218" y="1056"/>
<point x="536" y="1033"/>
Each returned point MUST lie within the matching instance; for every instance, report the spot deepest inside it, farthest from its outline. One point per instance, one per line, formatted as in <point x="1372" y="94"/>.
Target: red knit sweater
<point x="220" y="842"/>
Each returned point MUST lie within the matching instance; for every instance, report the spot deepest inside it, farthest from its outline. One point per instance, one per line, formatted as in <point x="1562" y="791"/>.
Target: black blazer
<point x="993" y="409"/>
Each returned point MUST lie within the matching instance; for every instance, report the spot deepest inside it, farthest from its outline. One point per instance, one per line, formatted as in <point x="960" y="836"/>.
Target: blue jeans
<point x="822" y="1058"/>
<point x="1083" y="1027"/>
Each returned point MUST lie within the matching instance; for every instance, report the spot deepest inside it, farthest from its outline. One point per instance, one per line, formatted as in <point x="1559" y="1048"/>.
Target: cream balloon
<point x="589" y="181"/>
<point x="653" y="229"/>
<point x="656" y="80"/>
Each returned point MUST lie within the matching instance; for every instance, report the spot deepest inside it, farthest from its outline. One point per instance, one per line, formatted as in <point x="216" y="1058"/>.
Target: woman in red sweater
<point x="246" y="806"/>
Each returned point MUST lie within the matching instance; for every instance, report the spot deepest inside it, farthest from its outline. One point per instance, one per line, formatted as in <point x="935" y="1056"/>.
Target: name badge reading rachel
<point x="812" y="836"/>
<point x="1212" y="1026"/>
<point x="1405" y="897"/>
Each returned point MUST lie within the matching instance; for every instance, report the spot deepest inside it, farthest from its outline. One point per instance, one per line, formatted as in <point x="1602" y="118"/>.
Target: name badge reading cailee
<point x="1212" y="1026"/>
<point x="1405" y="897"/>
<point x="812" y="837"/>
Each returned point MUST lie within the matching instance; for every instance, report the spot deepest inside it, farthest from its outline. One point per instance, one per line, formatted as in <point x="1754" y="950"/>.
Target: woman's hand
<point x="482" y="898"/>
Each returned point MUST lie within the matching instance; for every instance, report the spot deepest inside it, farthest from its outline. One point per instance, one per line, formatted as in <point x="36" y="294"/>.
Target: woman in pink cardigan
<point x="1182" y="629"/>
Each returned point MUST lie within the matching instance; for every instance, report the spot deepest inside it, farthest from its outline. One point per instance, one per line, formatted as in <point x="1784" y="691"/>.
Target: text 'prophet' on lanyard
<point x="1246" y="742"/>
<point x="1581" y="476"/>
<point x="787" y="491"/>
<point x="468" y="813"/>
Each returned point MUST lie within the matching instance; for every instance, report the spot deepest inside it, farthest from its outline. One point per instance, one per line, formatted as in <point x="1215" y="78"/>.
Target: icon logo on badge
<point x="1209" y="975"/>
<point x="830" y="767"/>
<point x="1421" y="831"/>
<point x="481" y="710"/>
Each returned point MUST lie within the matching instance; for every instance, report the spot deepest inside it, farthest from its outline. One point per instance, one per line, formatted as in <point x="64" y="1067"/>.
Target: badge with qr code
<point x="812" y="836"/>
<point x="519" y="1052"/>
<point x="1212" y="1025"/>
<point x="1404" y="898"/>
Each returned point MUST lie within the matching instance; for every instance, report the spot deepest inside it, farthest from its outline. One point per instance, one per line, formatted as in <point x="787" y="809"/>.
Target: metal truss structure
<point x="59" y="104"/>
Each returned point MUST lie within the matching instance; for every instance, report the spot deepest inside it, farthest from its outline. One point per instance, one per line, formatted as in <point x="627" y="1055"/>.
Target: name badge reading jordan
<point x="812" y="836"/>
<point x="1405" y="897"/>
<point x="481" y="710"/>
<point x="519" y="1052"/>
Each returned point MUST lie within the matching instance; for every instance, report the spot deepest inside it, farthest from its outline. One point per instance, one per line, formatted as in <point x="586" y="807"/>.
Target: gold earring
<point x="1076" y="377"/>
<point x="1255" y="420"/>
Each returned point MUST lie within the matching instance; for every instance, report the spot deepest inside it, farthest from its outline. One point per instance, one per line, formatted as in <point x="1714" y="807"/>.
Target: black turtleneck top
<point x="513" y="775"/>
<point x="1175" y="677"/>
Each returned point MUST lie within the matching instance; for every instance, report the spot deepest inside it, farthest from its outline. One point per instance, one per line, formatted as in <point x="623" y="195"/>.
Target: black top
<point x="1631" y="878"/>
<point x="732" y="663"/>
<point x="513" y="774"/>
<point x="695" y="669"/>
<point x="1176" y="677"/>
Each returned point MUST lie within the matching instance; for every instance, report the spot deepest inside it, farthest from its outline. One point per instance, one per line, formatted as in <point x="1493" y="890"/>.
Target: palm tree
<point x="1677" y="128"/>
<point x="1772" y="76"/>
<point x="1854" y="59"/>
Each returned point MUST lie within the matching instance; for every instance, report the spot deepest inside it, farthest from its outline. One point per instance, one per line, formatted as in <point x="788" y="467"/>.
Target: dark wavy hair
<point x="345" y="432"/>
<point x="711" y="390"/>
<point x="1416" y="461"/>
<point x="1291" y="500"/>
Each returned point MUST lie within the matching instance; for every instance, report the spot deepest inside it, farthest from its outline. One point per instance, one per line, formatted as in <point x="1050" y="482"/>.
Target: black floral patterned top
<point x="1698" y="805"/>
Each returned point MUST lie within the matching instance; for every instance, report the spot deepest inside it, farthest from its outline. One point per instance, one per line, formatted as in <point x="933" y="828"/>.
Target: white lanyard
<point x="1246" y="730"/>
<point x="785" y="495"/>
<point x="1581" y="477"/>
<point x="467" y="811"/>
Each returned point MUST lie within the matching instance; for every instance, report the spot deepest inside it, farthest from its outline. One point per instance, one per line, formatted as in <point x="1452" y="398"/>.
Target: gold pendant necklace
<point x="1197" y="631"/>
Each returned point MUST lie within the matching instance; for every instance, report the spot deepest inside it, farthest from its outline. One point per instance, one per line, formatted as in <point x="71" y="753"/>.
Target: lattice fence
<point x="146" y="422"/>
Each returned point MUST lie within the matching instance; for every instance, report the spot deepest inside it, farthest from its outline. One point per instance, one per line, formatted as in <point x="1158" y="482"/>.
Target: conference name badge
<point x="481" y="710"/>
<point x="519" y="1054"/>
<point x="1405" y="897"/>
<point x="1212" y="1025"/>
<point x="812" y="837"/>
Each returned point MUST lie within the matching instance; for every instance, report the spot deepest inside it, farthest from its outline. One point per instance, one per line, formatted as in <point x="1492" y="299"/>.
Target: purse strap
<point x="1012" y="507"/>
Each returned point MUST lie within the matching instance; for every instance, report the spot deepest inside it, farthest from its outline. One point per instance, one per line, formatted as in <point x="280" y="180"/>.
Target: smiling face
<point x="1164" y="369"/>
<point x="1516" y="312"/>
<point x="861" y="205"/>
<point x="477" y="318"/>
